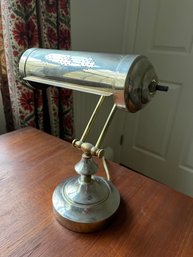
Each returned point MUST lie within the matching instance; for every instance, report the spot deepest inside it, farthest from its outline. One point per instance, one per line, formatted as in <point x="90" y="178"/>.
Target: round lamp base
<point x="85" y="207"/>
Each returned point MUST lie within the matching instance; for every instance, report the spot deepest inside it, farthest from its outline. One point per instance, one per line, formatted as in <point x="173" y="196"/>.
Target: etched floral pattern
<point x="30" y="23"/>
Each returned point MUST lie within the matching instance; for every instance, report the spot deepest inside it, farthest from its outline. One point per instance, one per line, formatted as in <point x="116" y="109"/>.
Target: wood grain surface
<point x="153" y="220"/>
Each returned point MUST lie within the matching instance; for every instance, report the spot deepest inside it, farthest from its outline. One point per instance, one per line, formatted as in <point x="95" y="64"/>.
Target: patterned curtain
<point x="26" y="24"/>
<point x="4" y="89"/>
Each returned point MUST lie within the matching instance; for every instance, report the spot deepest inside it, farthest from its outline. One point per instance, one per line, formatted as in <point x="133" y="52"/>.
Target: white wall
<point x="98" y="25"/>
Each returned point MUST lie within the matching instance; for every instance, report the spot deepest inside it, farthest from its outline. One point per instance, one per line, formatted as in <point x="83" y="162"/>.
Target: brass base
<point x="85" y="207"/>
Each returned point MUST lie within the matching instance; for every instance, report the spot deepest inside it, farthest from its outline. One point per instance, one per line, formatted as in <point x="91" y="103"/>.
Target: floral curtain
<point x="4" y="89"/>
<point x="26" y="24"/>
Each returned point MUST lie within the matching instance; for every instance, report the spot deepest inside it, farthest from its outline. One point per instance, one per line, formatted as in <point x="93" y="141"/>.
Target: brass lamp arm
<point x="88" y="148"/>
<point x="92" y="118"/>
<point x="111" y="114"/>
<point x="94" y="150"/>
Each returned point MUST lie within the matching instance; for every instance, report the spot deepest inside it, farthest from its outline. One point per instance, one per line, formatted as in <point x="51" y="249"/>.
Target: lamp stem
<point x="106" y="126"/>
<point x="92" y="118"/>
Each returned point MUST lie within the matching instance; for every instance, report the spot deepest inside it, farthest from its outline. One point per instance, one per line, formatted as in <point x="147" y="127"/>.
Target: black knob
<point x="162" y="88"/>
<point x="155" y="86"/>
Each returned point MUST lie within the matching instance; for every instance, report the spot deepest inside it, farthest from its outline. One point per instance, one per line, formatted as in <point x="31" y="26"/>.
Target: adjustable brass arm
<point x="87" y="147"/>
<point x="111" y="114"/>
<point x="92" y="118"/>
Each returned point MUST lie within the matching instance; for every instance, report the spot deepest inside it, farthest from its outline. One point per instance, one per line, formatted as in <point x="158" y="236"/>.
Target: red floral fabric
<point x="4" y="89"/>
<point x="45" y="24"/>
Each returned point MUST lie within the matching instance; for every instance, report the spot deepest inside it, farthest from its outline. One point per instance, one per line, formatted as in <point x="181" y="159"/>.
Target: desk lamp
<point x="87" y="202"/>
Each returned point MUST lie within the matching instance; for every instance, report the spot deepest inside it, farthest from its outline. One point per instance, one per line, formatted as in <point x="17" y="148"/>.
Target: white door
<point x="158" y="141"/>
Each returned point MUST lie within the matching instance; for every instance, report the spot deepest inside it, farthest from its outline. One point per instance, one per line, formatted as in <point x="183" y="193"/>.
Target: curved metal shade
<point x="131" y="79"/>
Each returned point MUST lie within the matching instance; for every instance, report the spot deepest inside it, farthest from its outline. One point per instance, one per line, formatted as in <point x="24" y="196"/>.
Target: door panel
<point x="172" y="31"/>
<point x="157" y="125"/>
<point x="158" y="141"/>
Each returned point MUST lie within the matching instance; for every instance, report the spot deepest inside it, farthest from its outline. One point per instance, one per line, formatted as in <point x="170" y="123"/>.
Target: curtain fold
<point x="44" y="24"/>
<point x="4" y="89"/>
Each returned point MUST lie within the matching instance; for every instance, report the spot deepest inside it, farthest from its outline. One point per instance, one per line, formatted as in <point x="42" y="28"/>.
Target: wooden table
<point x="153" y="220"/>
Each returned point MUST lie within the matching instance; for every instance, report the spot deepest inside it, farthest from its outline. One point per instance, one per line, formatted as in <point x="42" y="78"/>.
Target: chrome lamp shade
<point x="87" y="202"/>
<point x="131" y="79"/>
